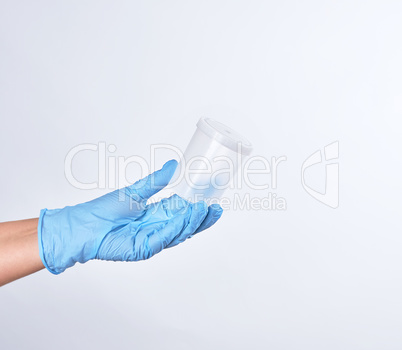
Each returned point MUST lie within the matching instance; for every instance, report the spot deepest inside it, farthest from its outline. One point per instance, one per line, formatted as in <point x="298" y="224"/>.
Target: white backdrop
<point x="292" y="76"/>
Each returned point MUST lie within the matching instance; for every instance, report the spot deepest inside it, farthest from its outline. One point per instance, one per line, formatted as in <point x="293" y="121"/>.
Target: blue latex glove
<point x="120" y="226"/>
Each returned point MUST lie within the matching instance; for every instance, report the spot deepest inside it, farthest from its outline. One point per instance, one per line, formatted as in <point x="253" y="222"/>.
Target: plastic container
<point x="210" y="162"/>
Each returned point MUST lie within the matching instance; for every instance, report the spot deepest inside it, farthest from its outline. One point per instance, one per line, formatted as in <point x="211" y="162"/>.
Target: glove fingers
<point x="153" y="183"/>
<point x="167" y="208"/>
<point x="198" y="212"/>
<point x="183" y="219"/>
<point x="139" y="241"/>
<point x="162" y="233"/>
<point x="214" y="213"/>
<point x="174" y="221"/>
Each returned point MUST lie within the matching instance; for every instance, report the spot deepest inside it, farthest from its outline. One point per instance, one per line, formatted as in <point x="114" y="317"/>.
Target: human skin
<point x="19" y="250"/>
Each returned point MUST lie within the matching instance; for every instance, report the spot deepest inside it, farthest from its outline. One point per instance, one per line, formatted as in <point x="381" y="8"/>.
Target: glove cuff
<point x="40" y="242"/>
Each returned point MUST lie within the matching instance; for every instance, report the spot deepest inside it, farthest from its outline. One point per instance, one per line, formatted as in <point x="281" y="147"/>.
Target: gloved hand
<point x="120" y="226"/>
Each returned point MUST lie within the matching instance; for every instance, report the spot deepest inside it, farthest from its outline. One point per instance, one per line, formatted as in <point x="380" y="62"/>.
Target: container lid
<point x="225" y="135"/>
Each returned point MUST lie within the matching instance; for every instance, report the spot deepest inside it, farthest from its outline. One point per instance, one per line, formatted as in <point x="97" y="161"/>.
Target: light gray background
<point x="292" y="76"/>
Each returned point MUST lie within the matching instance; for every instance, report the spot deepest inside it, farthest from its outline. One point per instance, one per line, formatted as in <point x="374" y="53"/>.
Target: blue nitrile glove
<point x="120" y="226"/>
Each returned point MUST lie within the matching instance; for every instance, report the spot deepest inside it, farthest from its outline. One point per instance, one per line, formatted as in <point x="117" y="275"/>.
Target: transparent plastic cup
<point x="210" y="162"/>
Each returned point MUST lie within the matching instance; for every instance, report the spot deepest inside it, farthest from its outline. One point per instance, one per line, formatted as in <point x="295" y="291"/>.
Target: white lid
<point x="225" y="135"/>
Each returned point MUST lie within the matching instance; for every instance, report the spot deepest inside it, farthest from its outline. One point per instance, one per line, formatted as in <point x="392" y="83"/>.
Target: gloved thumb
<point x="153" y="183"/>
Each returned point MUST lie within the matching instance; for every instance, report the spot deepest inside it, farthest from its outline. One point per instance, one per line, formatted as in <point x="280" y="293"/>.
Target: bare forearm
<point x="19" y="251"/>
